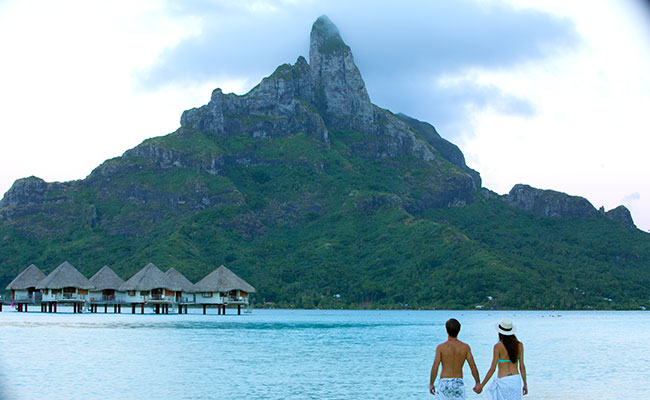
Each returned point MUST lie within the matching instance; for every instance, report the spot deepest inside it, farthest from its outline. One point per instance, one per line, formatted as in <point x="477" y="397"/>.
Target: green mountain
<point x="319" y="198"/>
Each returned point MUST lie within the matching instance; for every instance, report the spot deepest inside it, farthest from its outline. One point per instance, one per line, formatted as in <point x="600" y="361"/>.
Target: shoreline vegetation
<point x="388" y="307"/>
<point x="445" y="309"/>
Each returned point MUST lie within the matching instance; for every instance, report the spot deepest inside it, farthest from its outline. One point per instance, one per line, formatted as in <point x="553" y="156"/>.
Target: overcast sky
<point x="554" y="94"/>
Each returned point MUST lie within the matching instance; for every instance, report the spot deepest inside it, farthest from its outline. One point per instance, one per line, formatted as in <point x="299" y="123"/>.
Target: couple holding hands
<point x="508" y="356"/>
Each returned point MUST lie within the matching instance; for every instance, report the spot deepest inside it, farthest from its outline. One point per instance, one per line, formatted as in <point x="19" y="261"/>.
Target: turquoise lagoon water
<point x="309" y="354"/>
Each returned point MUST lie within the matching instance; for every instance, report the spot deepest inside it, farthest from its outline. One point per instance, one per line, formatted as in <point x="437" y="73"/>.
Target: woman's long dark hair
<point x="512" y="346"/>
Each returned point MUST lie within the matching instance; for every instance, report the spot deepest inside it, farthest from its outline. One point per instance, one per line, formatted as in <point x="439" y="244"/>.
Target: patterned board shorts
<point x="450" y="389"/>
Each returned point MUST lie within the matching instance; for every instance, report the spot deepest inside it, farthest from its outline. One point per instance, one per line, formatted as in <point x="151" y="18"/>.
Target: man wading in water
<point x="452" y="354"/>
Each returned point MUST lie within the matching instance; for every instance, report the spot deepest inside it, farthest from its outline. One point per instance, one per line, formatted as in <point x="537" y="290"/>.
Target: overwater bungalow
<point x="106" y="283"/>
<point x="185" y="296"/>
<point x="23" y="288"/>
<point x="150" y="286"/>
<point x="64" y="285"/>
<point x="222" y="287"/>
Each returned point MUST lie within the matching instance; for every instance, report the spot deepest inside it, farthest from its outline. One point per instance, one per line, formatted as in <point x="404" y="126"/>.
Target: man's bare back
<point x="453" y="354"/>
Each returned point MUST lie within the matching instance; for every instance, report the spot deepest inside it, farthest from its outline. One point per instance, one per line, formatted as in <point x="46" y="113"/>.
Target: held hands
<point x="478" y="388"/>
<point x="524" y="390"/>
<point x="432" y="389"/>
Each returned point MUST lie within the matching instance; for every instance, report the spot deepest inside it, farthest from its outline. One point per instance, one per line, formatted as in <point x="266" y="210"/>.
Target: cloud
<point x="237" y="40"/>
<point x="449" y="104"/>
<point x="631" y="197"/>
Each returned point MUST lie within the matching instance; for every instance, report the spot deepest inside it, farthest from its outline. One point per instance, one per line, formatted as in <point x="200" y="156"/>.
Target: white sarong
<point x="506" y="388"/>
<point x="450" y="389"/>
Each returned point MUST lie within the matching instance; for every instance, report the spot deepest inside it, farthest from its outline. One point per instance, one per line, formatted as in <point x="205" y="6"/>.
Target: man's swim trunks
<point x="450" y="389"/>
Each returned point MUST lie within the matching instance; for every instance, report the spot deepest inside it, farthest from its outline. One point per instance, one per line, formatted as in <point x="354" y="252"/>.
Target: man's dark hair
<point x="453" y="327"/>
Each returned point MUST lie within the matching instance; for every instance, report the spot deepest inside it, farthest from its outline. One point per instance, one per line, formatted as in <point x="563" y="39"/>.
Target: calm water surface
<point x="309" y="354"/>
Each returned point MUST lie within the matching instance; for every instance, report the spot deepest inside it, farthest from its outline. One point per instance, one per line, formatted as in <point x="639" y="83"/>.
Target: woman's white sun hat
<point x="506" y="327"/>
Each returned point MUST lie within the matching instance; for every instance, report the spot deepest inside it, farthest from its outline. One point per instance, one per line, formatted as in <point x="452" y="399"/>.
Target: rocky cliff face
<point x="448" y="150"/>
<point x="279" y="106"/>
<point x="549" y="203"/>
<point x="25" y="191"/>
<point x="326" y="94"/>
<point x="29" y="193"/>
<point x="339" y="91"/>
<point x="621" y="214"/>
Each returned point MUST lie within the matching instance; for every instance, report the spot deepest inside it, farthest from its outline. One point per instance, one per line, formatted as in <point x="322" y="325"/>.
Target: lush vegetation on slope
<point x="316" y="225"/>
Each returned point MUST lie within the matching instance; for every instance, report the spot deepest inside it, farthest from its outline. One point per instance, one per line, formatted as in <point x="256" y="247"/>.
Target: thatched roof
<point x="179" y="280"/>
<point x="65" y="275"/>
<point x="30" y="277"/>
<point x="148" y="278"/>
<point x="222" y="280"/>
<point x="106" y="278"/>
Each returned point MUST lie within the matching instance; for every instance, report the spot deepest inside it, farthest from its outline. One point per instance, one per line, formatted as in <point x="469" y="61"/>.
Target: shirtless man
<point x="452" y="354"/>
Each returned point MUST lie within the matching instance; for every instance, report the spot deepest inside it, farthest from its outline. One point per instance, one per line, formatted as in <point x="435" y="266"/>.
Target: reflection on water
<point x="297" y="354"/>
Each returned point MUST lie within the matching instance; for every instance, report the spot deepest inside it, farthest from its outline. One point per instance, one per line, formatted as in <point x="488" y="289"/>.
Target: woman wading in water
<point x="508" y="355"/>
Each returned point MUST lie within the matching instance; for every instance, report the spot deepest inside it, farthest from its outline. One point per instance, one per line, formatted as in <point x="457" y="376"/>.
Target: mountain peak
<point x="324" y="24"/>
<point x="339" y="90"/>
<point x="325" y="36"/>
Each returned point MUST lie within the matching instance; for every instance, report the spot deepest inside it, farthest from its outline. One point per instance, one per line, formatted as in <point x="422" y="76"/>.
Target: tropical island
<point x="322" y="199"/>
